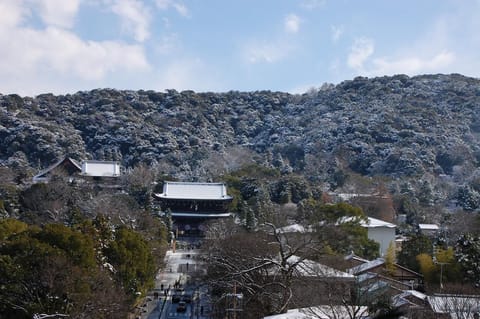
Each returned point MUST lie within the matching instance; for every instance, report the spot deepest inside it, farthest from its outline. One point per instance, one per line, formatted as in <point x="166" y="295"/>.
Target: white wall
<point x="383" y="236"/>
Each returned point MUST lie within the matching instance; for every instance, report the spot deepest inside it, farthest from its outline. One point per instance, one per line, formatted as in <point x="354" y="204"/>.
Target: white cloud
<point x="266" y="52"/>
<point x="177" y="5"/>
<point x="12" y="13"/>
<point x="186" y="74"/>
<point x="292" y="23"/>
<point x="449" y="44"/>
<point x="60" y="13"/>
<point x="135" y="17"/>
<point x="34" y="61"/>
<point x="360" y="51"/>
<point x="412" y="65"/>
<point x="61" y="51"/>
<point x="337" y="32"/>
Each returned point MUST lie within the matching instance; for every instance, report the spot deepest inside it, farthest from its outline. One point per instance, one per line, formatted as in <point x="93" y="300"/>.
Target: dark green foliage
<point x="52" y="270"/>
<point x="60" y="269"/>
<point x="416" y="245"/>
<point x="77" y="246"/>
<point x="338" y="179"/>
<point x="449" y="158"/>
<point x="130" y="254"/>
<point x="290" y="188"/>
<point x="339" y="228"/>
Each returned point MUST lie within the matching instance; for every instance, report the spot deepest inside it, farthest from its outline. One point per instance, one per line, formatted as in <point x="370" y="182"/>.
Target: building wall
<point x="383" y="236"/>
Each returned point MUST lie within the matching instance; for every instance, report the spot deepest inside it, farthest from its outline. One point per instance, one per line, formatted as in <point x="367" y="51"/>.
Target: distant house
<point x="401" y="277"/>
<point x="327" y="285"/>
<point x="65" y="167"/>
<point x="381" y="232"/>
<point x="378" y="230"/>
<point x="98" y="171"/>
<point x="411" y="303"/>
<point x="448" y="306"/>
<point x="428" y="229"/>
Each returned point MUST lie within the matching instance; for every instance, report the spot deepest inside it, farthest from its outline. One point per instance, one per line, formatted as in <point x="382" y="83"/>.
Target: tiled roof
<point x="101" y="168"/>
<point x="185" y="190"/>
<point x="323" y="312"/>
<point x="369" y="223"/>
<point x="308" y="267"/>
<point x="42" y="174"/>
<point x="454" y="303"/>
<point x="366" y="266"/>
<point x="373" y="222"/>
<point x="428" y="226"/>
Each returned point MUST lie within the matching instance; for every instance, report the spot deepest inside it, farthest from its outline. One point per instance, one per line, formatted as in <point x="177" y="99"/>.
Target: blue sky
<point x="65" y="46"/>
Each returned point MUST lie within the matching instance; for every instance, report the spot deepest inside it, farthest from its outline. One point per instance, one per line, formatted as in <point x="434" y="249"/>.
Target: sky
<point x="65" y="46"/>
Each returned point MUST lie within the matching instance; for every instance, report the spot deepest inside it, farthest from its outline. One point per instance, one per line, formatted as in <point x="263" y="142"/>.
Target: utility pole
<point x="441" y="273"/>
<point x="436" y="262"/>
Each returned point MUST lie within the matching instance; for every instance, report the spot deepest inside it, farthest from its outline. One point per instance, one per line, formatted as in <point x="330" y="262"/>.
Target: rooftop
<point x="200" y="191"/>
<point x="428" y="226"/>
<point x="308" y="267"/>
<point x="366" y="266"/>
<point x="101" y="168"/>
<point x="323" y="312"/>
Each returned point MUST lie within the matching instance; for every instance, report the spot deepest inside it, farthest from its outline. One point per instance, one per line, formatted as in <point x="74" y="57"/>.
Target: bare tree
<point x="262" y="265"/>
<point x="458" y="306"/>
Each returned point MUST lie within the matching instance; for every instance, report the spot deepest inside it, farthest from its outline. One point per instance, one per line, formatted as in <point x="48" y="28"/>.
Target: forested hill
<point x="405" y="128"/>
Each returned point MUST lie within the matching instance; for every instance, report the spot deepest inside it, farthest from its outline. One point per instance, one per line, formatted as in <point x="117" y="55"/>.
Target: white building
<point x="381" y="232"/>
<point x="78" y="171"/>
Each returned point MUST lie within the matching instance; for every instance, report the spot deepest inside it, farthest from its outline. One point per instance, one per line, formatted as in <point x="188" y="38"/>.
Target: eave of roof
<point x="41" y="174"/>
<point x="201" y="215"/>
<point x="194" y="191"/>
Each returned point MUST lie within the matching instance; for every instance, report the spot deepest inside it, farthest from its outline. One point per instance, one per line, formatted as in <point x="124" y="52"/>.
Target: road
<point x="182" y="268"/>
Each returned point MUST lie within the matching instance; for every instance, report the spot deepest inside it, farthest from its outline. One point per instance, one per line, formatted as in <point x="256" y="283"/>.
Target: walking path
<point x="179" y="268"/>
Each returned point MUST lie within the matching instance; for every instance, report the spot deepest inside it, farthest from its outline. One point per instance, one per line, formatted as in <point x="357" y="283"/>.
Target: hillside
<point x="421" y="135"/>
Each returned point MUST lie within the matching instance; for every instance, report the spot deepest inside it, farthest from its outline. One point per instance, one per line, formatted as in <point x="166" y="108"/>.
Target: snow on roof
<point x="42" y="174"/>
<point x="454" y="303"/>
<point x="369" y="223"/>
<point x="352" y="256"/>
<point x="308" y="267"/>
<point x="294" y="228"/>
<point x="186" y="190"/>
<point x="101" y="168"/>
<point x="366" y="266"/>
<point x="323" y="312"/>
<point x="428" y="226"/>
<point x="201" y="215"/>
<point x="366" y="276"/>
<point x="402" y="298"/>
<point x="373" y="223"/>
<point x="414" y="293"/>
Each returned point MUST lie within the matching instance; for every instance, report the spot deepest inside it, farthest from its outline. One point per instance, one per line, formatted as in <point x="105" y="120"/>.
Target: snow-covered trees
<point x="468" y="255"/>
<point x="468" y="198"/>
